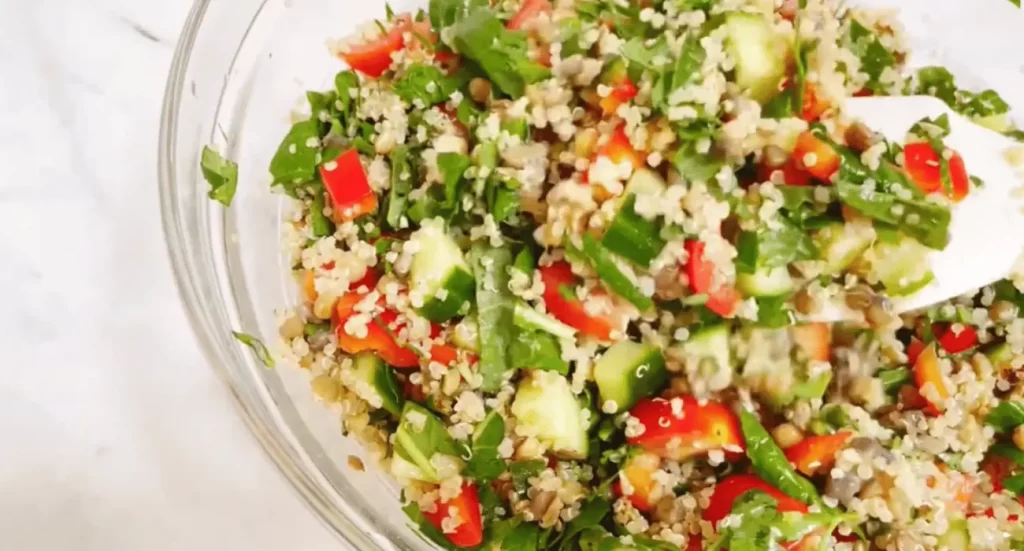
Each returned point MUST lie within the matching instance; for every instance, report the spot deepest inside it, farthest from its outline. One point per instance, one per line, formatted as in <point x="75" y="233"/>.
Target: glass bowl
<point x="239" y="70"/>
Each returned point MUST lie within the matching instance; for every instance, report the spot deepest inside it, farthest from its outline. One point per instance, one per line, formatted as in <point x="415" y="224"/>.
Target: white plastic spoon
<point x="987" y="229"/>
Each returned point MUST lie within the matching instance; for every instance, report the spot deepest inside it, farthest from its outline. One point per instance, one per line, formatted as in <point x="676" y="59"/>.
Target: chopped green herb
<point x="257" y="346"/>
<point x="1006" y="416"/>
<point x="221" y="174"/>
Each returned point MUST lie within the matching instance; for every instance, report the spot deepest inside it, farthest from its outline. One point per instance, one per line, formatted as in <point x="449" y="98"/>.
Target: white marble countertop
<point x="114" y="433"/>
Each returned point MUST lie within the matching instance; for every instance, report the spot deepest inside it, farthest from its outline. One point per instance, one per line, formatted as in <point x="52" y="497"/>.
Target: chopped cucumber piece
<point x="811" y="389"/>
<point x="528" y="318"/>
<point x="1000" y="355"/>
<point x="374" y="381"/>
<point x="902" y="267"/>
<point x="466" y="334"/>
<point x="761" y="55"/>
<point x="547" y="408"/>
<point x="710" y="344"/>
<point x="956" y="538"/>
<point x="420" y="437"/>
<point x="1000" y="123"/>
<point x="440" y="273"/>
<point x="840" y="244"/>
<point x="766" y="282"/>
<point x="627" y="372"/>
<point x="630" y="235"/>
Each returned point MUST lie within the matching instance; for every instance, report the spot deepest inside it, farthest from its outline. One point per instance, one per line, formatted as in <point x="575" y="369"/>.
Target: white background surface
<point x="114" y="434"/>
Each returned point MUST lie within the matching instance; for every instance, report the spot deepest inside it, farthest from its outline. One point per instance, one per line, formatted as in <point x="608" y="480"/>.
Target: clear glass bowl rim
<point x="270" y="432"/>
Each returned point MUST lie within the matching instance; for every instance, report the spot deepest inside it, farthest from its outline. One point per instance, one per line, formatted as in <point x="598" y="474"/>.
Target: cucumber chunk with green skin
<point x="375" y="381"/>
<point x="612" y="275"/>
<point x="957" y="536"/>
<point x="466" y="334"/>
<point x="761" y="55"/>
<point x="766" y="282"/>
<point x="420" y="437"/>
<point x="710" y="344"/>
<point x="841" y="244"/>
<point x="1000" y="123"/>
<point x="901" y="267"/>
<point x="440" y="273"/>
<point x="1000" y="355"/>
<point x="630" y="235"/>
<point x="546" y="408"/>
<point x="526" y="317"/>
<point x="627" y="372"/>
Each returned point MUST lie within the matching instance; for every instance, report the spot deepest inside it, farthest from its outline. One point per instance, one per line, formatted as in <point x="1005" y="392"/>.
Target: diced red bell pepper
<point x="447" y="355"/>
<point x="619" y="149"/>
<point x="952" y="342"/>
<point x="700" y="271"/>
<point x="622" y="92"/>
<point x="729" y="490"/>
<point x="571" y="311"/>
<point x="928" y="372"/>
<point x="914" y="349"/>
<point x="923" y="166"/>
<point x="529" y="10"/>
<point x="816" y="454"/>
<point x="813" y="106"/>
<point x="789" y="9"/>
<point x="639" y="472"/>
<point x="464" y="511"/>
<point x="791" y="175"/>
<point x="814" y="340"/>
<point x="348" y="187"/>
<point x="346" y="305"/>
<point x="815" y="156"/>
<point x="380" y="340"/>
<point x="689" y="429"/>
<point x="374" y="58"/>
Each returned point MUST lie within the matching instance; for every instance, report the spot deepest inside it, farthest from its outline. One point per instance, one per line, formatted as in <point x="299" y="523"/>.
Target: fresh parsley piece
<point x="1015" y="484"/>
<point x="611" y="273"/>
<point x="937" y="82"/>
<point x="494" y="304"/>
<point x="423" y="85"/>
<point x="894" y="379"/>
<point x="695" y="166"/>
<point x="502" y="202"/>
<point x="1009" y="451"/>
<point x="874" y="58"/>
<point x="1006" y="416"/>
<point x="486" y="464"/>
<point x="771" y="464"/>
<point x="500" y="53"/>
<point x="774" y="247"/>
<point x="756" y="513"/>
<point x="774" y="312"/>
<point x="452" y="167"/>
<point x="523" y="471"/>
<point x="592" y="512"/>
<point x="523" y="537"/>
<point x="221" y="174"/>
<point x="401" y="185"/>
<point x="321" y="224"/>
<point x="983" y="104"/>
<point x="257" y="346"/>
<point x="296" y="158"/>
<point x="537" y="350"/>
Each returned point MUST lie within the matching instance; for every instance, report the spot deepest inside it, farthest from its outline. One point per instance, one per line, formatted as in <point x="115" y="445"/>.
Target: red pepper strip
<point x="923" y="166"/>
<point x="928" y="373"/>
<point x="530" y="10"/>
<point x="559" y="281"/>
<point x="817" y="453"/>
<point x="462" y="511"/>
<point x="700" y="271"/>
<point x="695" y="430"/>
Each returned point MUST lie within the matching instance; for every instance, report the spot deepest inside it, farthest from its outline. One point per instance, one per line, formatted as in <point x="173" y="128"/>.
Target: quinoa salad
<point x="557" y="263"/>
